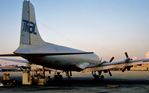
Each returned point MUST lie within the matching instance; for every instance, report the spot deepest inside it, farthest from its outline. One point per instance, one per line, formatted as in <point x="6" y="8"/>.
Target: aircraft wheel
<point x="97" y="77"/>
<point x="58" y="77"/>
<point x="102" y="77"/>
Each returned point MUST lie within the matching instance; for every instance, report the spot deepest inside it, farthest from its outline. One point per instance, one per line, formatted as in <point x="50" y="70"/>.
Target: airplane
<point x="36" y="51"/>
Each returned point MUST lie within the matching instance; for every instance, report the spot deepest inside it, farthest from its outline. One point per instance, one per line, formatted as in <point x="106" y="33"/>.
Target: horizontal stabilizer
<point x="51" y="54"/>
<point x="8" y="55"/>
<point x="14" y="60"/>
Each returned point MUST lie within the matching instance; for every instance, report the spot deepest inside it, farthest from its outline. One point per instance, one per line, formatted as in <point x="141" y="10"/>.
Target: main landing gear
<point x="68" y="74"/>
<point x="97" y="75"/>
<point x="59" y="77"/>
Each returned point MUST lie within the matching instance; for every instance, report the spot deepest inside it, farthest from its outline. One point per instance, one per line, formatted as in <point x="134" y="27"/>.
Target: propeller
<point x="128" y="59"/>
<point x="111" y="59"/>
<point x="126" y="54"/>
<point x="106" y="61"/>
<point x="109" y="69"/>
<point x="109" y="72"/>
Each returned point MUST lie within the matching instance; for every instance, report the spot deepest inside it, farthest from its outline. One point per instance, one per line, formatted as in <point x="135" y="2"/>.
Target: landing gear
<point x="68" y="74"/>
<point x="97" y="75"/>
<point x="58" y="77"/>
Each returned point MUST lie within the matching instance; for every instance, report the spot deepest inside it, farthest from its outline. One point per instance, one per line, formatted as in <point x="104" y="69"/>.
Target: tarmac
<point x="127" y="82"/>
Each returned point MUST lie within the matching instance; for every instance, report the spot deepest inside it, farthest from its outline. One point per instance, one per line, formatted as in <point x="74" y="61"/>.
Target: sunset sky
<point x="106" y="27"/>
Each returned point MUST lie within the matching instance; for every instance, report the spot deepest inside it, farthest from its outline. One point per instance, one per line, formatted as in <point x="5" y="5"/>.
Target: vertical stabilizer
<point x="29" y="30"/>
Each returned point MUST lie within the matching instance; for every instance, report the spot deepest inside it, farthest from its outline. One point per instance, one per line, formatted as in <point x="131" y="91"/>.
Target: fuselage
<point x="65" y="62"/>
<point x="62" y="62"/>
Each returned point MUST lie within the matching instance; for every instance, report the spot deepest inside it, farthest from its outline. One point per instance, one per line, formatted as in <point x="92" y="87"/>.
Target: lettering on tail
<point x="29" y="26"/>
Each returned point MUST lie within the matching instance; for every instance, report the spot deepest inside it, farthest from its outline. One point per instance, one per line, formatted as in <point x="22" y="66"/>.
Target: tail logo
<point x="29" y="27"/>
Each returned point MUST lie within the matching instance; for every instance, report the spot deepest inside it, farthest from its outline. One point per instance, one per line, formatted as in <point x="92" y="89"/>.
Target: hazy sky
<point x="107" y="27"/>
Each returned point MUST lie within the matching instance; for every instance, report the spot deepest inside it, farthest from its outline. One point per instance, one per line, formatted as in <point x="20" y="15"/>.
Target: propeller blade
<point x="110" y="73"/>
<point x="123" y="70"/>
<point x="111" y="59"/>
<point x="126" y="54"/>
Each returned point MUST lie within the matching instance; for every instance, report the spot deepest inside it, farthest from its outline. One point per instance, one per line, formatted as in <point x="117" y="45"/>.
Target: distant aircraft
<point x="36" y="51"/>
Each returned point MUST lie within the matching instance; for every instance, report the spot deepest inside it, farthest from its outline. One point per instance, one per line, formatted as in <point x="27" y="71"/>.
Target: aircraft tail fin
<point x="29" y="30"/>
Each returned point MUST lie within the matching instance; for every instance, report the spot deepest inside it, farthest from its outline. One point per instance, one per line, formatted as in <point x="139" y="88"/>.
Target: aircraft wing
<point x="125" y="64"/>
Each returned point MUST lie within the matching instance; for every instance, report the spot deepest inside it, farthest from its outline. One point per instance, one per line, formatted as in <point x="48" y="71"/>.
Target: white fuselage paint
<point x="63" y="62"/>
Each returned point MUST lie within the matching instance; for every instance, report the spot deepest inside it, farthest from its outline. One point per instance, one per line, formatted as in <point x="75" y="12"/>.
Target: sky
<point x="106" y="27"/>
